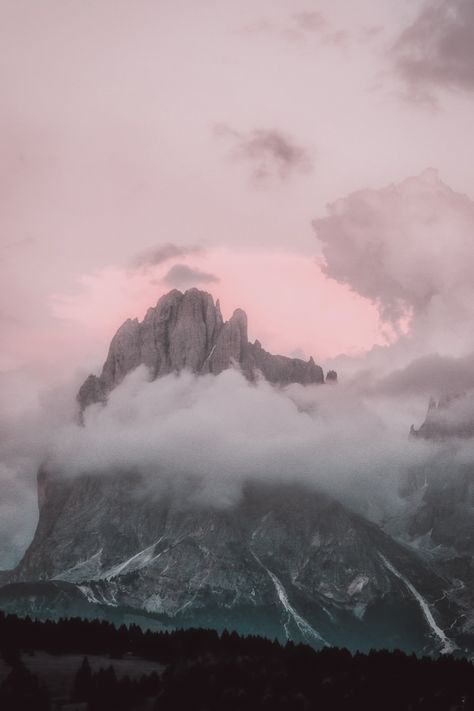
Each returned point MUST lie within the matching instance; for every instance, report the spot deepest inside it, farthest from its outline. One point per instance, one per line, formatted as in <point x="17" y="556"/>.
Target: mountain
<point x="450" y="417"/>
<point x="439" y="515"/>
<point x="285" y="560"/>
<point x="187" y="331"/>
<point x="445" y="491"/>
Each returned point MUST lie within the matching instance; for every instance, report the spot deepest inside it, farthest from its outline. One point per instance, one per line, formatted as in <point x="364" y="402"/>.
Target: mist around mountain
<point x="205" y="481"/>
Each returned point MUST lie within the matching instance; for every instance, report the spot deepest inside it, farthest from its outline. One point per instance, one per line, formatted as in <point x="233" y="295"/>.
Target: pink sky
<point x="292" y="306"/>
<point x="109" y="148"/>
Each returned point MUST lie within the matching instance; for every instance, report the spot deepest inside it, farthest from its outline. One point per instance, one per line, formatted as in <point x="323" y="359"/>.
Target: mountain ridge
<point x="286" y="561"/>
<point x="187" y="331"/>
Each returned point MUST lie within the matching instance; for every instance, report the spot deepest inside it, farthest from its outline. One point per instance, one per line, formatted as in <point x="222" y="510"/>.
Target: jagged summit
<point x="187" y="331"/>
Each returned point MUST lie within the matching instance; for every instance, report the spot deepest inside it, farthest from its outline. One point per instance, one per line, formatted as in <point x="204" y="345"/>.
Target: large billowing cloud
<point x="208" y="435"/>
<point x="437" y="49"/>
<point x="409" y="248"/>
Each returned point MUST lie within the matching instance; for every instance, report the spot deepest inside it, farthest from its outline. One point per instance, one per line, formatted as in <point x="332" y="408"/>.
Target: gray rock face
<point x="439" y="526"/>
<point x="186" y="331"/>
<point x="445" y="491"/>
<point x="286" y="561"/>
<point x="439" y="516"/>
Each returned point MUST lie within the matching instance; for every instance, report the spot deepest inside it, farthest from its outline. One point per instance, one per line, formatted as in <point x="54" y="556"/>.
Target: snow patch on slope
<point x="135" y="562"/>
<point x="303" y="625"/>
<point x="358" y="584"/>
<point x="93" y="593"/>
<point x="84" y="570"/>
<point x="448" y="645"/>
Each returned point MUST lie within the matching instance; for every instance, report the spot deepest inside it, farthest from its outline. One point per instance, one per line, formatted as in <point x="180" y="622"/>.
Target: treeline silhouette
<point x="205" y="671"/>
<point x="103" y="690"/>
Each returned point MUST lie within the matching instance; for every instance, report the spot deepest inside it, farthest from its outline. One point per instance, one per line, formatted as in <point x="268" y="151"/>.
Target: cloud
<point x="431" y="375"/>
<point x="437" y="50"/>
<point x="180" y="431"/>
<point x="163" y="253"/>
<point x="29" y="416"/>
<point x="409" y="248"/>
<point x="269" y="152"/>
<point x="182" y="277"/>
<point x="18" y="506"/>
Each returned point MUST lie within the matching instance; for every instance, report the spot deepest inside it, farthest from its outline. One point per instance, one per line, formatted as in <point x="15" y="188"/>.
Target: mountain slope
<point x="286" y="562"/>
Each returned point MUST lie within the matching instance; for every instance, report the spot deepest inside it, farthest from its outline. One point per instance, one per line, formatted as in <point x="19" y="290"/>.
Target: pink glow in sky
<point x="230" y="127"/>
<point x="292" y="306"/>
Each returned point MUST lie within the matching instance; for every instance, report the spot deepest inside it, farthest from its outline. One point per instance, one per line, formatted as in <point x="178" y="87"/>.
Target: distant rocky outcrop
<point x="450" y="416"/>
<point x="187" y="331"/>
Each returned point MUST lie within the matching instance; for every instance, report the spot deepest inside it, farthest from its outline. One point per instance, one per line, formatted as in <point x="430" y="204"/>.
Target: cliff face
<point x="442" y="512"/>
<point x="285" y="561"/>
<point x="186" y="331"/>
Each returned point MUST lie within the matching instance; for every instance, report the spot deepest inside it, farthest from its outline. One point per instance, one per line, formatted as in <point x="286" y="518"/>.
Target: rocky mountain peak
<point x="187" y="331"/>
<point x="450" y="416"/>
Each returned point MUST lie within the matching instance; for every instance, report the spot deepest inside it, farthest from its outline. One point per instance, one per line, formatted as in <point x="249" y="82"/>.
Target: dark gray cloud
<point x="181" y="276"/>
<point x="432" y="375"/>
<point x="437" y="49"/>
<point x="271" y="153"/>
<point x="162" y="253"/>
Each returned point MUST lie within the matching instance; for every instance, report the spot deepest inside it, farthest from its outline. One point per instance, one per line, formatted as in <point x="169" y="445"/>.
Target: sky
<point x="311" y="163"/>
<point x="225" y="131"/>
